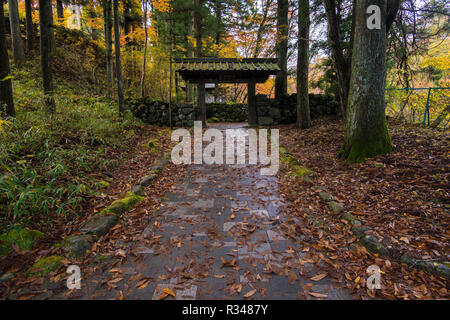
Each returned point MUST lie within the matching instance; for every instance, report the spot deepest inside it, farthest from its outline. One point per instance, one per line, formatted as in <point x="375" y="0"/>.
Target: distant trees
<point x="6" y="94"/>
<point x="17" y="43"/>
<point x="303" y="112"/>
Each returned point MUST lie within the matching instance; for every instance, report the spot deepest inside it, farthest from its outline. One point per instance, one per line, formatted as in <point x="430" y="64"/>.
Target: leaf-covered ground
<point x="403" y="197"/>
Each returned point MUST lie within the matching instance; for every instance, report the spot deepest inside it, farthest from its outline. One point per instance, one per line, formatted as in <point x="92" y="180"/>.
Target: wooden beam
<point x="252" y="118"/>
<point x="202" y="102"/>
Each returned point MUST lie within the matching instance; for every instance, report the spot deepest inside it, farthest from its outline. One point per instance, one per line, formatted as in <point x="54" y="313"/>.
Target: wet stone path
<point x="219" y="235"/>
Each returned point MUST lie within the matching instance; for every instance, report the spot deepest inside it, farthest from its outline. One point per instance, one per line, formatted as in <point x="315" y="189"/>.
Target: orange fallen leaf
<point x="169" y="292"/>
<point x="319" y="277"/>
<point x="317" y="295"/>
<point x="250" y="293"/>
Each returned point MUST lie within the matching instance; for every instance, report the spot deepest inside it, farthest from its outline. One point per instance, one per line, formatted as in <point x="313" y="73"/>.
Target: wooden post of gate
<point x="201" y="101"/>
<point x="252" y="119"/>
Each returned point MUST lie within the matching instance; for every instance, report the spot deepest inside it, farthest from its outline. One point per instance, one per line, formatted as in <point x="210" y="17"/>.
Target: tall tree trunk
<point x="144" y="62"/>
<point x="341" y="64"/>
<point x="126" y="18"/>
<point x="218" y="13"/>
<point x="107" y="15"/>
<point x="17" y="43"/>
<point x="6" y="94"/>
<point x="281" y="47"/>
<point x="46" y="55"/>
<point x="60" y="11"/>
<point x="190" y="53"/>
<point x="29" y="24"/>
<point x="51" y="29"/>
<point x="198" y="26"/>
<point x="303" y="114"/>
<point x="366" y="131"/>
<point x="118" y="61"/>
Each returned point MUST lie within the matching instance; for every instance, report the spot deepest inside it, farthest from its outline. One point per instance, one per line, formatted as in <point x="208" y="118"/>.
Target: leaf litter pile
<point x="402" y="197"/>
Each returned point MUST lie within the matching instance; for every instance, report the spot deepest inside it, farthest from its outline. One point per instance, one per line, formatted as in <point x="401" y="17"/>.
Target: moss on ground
<point x="44" y="266"/>
<point x="23" y="238"/>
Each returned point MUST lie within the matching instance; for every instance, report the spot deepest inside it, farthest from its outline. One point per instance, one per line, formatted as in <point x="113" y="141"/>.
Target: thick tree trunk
<point x="17" y="43"/>
<point x="303" y="113"/>
<point x="341" y="64"/>
<point x="107" y="15"/>
<point x="118" y="61"/>
<point x="60" y="11"/>
<point x="29" y="24"/>
<point x="6" y="94"/>
<point x="366" y="131"/>
<point x="46" y="55"/>
<point x="281" y="47"/>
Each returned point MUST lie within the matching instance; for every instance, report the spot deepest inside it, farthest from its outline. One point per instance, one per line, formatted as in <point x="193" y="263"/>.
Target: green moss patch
<point x="123" y="205"/>
<point x="23" y="238"/>
<point x="44" y="266"/>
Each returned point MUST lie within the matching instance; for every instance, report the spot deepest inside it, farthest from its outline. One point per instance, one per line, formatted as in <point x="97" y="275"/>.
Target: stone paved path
<point x="219" y="235"/>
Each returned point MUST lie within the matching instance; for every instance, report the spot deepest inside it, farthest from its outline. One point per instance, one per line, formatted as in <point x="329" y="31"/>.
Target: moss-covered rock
<point x="77" y="246"/>
<point x="147" y="180"/>
<point x="335" y="207"/>
<point x="325" y="196"/>
<point x="123" y="205"/>
<point x="99" y="225"/>
<point x="22" y="237"/>
<point x="351" y="218"/>
<point x="44" y="266"/>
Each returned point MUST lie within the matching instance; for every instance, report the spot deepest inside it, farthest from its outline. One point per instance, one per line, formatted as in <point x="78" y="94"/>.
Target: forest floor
<point x="228" y="232"/>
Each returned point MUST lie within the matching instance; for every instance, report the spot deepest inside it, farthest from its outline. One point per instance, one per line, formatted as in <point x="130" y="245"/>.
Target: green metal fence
<point x="417" y="104"/>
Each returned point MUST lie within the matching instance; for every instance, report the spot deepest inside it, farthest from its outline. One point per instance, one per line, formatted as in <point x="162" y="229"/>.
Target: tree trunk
<point x="198" y="26"/>
<point x="46" y="55"/>
<point x="341" y="64"/>
<point x="60" y="11"/>
<point x="118" y="61"/>
<point x="107" y="15"/>
<point x="366" y="131"/>
<point x="144" y="6"/>
<point x="281" y="47"/>
<point x="17" y="43"/>
<point x="441" y="117"/>
<point x="6" y="94"/>
<point x="51" y="28"/>
<point x="29" y="24"/>
<point x="126" y="18"/>
<point x="303" y="114"/>
<point x="190" y="54"/>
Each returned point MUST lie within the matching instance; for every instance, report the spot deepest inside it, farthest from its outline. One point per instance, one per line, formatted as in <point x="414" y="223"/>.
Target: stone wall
<point x="270" y="111"/>
<point x="284" y="110"/>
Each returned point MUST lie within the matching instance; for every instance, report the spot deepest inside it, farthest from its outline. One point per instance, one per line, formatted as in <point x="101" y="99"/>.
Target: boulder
<point x="99" y="225"/>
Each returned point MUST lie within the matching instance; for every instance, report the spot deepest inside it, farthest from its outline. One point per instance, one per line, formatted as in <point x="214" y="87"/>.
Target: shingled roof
<point x="226" y="69"/>
<point x="224" y="64"/>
